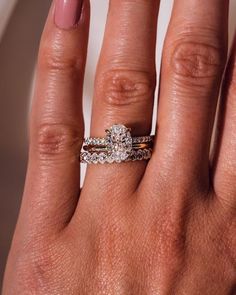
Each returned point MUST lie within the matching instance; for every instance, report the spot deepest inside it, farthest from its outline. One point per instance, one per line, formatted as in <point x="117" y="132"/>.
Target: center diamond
<point x="119" y="142"/>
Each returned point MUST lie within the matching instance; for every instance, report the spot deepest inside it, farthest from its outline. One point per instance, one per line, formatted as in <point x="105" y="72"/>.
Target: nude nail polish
<point x="67" y="13"/>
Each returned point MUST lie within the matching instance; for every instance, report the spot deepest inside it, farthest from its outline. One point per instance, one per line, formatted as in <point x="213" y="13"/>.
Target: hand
<point x="166" y="226"/>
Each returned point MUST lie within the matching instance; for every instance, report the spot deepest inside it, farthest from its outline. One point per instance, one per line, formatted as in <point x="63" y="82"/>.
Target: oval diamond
<point x="119" y="142"/>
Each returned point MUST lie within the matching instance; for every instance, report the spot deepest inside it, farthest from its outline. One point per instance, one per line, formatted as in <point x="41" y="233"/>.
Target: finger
<point x="52" y="184"/>
<point x="225" y="158"/>
<point x="125" y="84"/>
<point x="194" y="57"/>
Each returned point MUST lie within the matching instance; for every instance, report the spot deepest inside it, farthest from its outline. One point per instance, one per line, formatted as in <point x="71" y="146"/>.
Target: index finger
<point x="56" y="127"/>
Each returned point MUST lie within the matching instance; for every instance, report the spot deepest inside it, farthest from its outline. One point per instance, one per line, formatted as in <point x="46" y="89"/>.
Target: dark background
<point x="18" y="51"/>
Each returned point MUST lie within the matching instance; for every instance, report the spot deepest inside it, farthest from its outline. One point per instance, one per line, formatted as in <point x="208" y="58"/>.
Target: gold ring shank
<point x="135" y="146"/>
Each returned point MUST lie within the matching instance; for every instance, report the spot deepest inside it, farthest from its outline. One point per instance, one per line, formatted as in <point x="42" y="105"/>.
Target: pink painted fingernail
<point x="67" y="13"/>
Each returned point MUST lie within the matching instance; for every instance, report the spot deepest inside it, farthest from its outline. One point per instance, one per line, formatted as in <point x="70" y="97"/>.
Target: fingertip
<point x="67" y="13"/>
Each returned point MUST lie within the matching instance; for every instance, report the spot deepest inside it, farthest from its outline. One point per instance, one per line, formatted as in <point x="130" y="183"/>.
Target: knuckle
<point x="196" y="62"/>
<point x="56" y="60"/>
<point x="57" y="139"/>
<point x="125" y="87"/>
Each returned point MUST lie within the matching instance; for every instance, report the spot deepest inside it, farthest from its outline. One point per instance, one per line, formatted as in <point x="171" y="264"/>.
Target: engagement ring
<point x="117" y="146"/>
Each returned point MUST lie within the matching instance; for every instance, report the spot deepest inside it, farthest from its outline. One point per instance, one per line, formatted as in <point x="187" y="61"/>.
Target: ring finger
<point x="125" y="84"/>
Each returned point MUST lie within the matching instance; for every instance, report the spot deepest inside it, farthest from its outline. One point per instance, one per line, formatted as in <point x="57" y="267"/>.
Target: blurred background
<point x="21" y="24"/>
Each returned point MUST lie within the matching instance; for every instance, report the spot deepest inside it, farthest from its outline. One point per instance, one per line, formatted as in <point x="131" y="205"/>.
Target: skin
<point x="163" y="227"/>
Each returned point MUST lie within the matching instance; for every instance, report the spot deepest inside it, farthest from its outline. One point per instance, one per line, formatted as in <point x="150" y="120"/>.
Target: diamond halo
<point x="119" y="142"/>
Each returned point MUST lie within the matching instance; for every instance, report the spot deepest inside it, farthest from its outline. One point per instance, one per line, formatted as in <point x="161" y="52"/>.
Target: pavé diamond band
<point x="118" y="146"/>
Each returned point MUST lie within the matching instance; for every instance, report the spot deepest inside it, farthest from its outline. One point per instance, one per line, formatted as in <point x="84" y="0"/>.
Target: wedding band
<point x="118" y="146"/>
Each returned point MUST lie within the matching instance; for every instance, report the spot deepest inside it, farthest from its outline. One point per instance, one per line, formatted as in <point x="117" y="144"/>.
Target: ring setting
<point x="116" y="147"/>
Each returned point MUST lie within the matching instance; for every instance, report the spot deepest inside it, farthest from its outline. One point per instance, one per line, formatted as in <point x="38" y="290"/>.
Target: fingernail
<point x="67" y="13"/>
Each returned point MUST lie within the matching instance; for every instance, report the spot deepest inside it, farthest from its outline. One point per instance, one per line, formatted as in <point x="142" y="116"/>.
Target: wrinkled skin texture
<point x="163" y="227"/>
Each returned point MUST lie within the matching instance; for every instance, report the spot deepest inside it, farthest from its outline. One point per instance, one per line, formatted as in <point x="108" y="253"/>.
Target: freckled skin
<point x="161" y="227"/>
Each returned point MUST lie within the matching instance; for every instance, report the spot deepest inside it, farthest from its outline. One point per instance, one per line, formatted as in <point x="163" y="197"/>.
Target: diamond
<point x="124" y="156"/>
<point x="102" y="158"/>
<point x="117" y="157"/>
<point x="94" y="158"/>
<point x="119" y="142"/>
<point x="140" y="155"/>
<point x="103" y="141"/>
<point x="110" y="159"/>
<point x="147" y="154"/>
<point x="133" y="156"/>
<point x="86" y="157"/>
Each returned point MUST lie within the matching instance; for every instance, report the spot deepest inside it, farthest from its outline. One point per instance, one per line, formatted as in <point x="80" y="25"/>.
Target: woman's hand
<point x="166" y="227"/>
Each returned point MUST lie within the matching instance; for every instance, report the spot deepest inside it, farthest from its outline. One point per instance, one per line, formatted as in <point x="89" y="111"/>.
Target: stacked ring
<point x="118" y="146"/>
